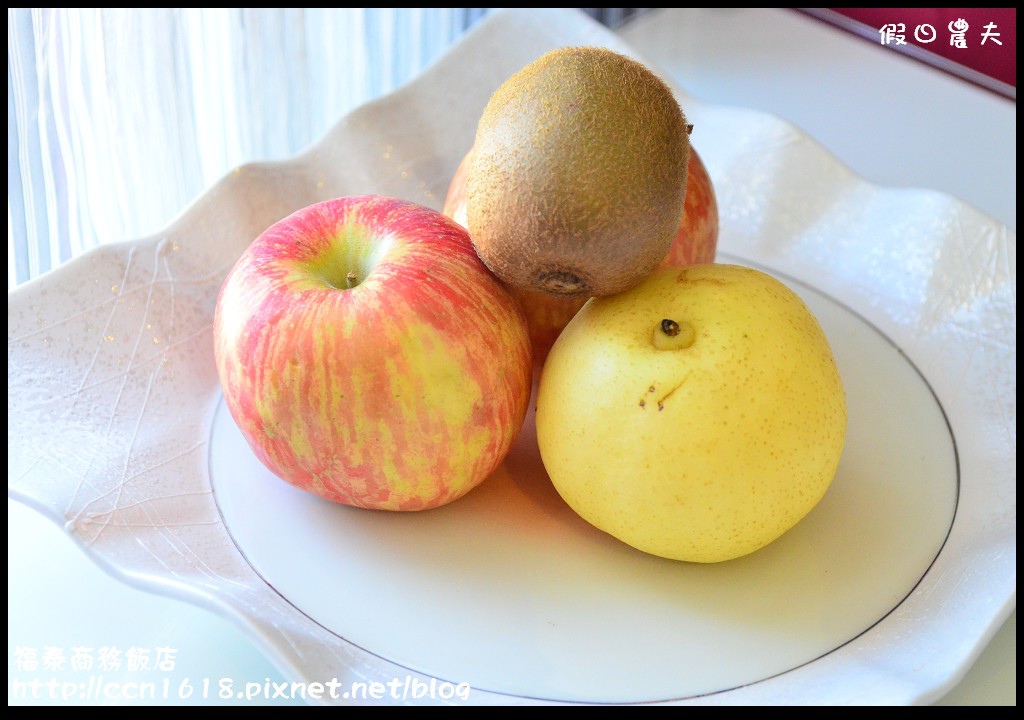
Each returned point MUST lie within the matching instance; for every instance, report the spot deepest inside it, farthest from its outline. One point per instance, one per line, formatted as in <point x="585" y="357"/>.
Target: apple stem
<point x="670" y="327"/>
<point x="350" y="279"/>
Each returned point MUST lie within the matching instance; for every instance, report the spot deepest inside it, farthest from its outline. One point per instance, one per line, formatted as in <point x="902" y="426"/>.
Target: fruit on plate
<point x="698" y="416"/>
<point x="696" y="241"/>
<point x="368" y="356"/>
<point x="578" y="174"/>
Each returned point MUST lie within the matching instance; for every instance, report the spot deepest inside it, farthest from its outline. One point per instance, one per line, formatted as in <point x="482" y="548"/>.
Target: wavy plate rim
<point x="153" y="264"/>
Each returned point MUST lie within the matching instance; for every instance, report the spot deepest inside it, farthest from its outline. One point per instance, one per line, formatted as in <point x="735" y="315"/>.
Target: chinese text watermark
<point x="87" y="675"/>
<point x="925" y="33"/>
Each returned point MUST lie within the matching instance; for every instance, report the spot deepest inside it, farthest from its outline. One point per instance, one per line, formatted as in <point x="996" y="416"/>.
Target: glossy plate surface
<point x="883" y="594"/>
<point x="509" y="591"/>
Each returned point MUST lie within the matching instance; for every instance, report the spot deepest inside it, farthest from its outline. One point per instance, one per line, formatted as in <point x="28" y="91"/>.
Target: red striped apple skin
<point x="402" y="392"/>
<point x="696" y="242"/>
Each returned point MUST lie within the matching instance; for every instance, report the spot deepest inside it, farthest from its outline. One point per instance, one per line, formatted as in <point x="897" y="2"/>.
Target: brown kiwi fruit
<point x="578" y="176"/>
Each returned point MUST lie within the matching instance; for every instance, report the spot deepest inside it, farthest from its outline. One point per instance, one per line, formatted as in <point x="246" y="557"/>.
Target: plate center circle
<point x="509" y="591"/>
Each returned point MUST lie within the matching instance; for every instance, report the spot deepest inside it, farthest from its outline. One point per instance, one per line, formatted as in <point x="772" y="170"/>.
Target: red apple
<point x="696" y="242"/>
<point x="369" y="356"/>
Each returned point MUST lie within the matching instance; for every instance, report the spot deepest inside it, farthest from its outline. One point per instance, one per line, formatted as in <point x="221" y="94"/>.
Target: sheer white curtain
<point x="118" y="118"/>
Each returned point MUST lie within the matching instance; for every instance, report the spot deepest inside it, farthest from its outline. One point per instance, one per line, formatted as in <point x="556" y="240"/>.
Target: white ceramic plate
<point x="884" y="594"/>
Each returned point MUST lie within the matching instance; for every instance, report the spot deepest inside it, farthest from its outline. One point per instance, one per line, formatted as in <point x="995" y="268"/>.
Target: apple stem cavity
<point x="673" y="335"/>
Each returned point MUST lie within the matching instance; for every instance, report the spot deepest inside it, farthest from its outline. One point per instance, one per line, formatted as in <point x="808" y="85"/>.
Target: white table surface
<point x="892" y="120"/>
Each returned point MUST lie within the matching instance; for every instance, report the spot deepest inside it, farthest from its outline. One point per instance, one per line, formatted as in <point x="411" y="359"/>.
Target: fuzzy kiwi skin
<point x="578" y="177"/>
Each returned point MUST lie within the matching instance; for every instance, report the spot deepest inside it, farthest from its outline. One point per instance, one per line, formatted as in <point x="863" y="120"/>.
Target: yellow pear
<point x="697" y="416"/>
